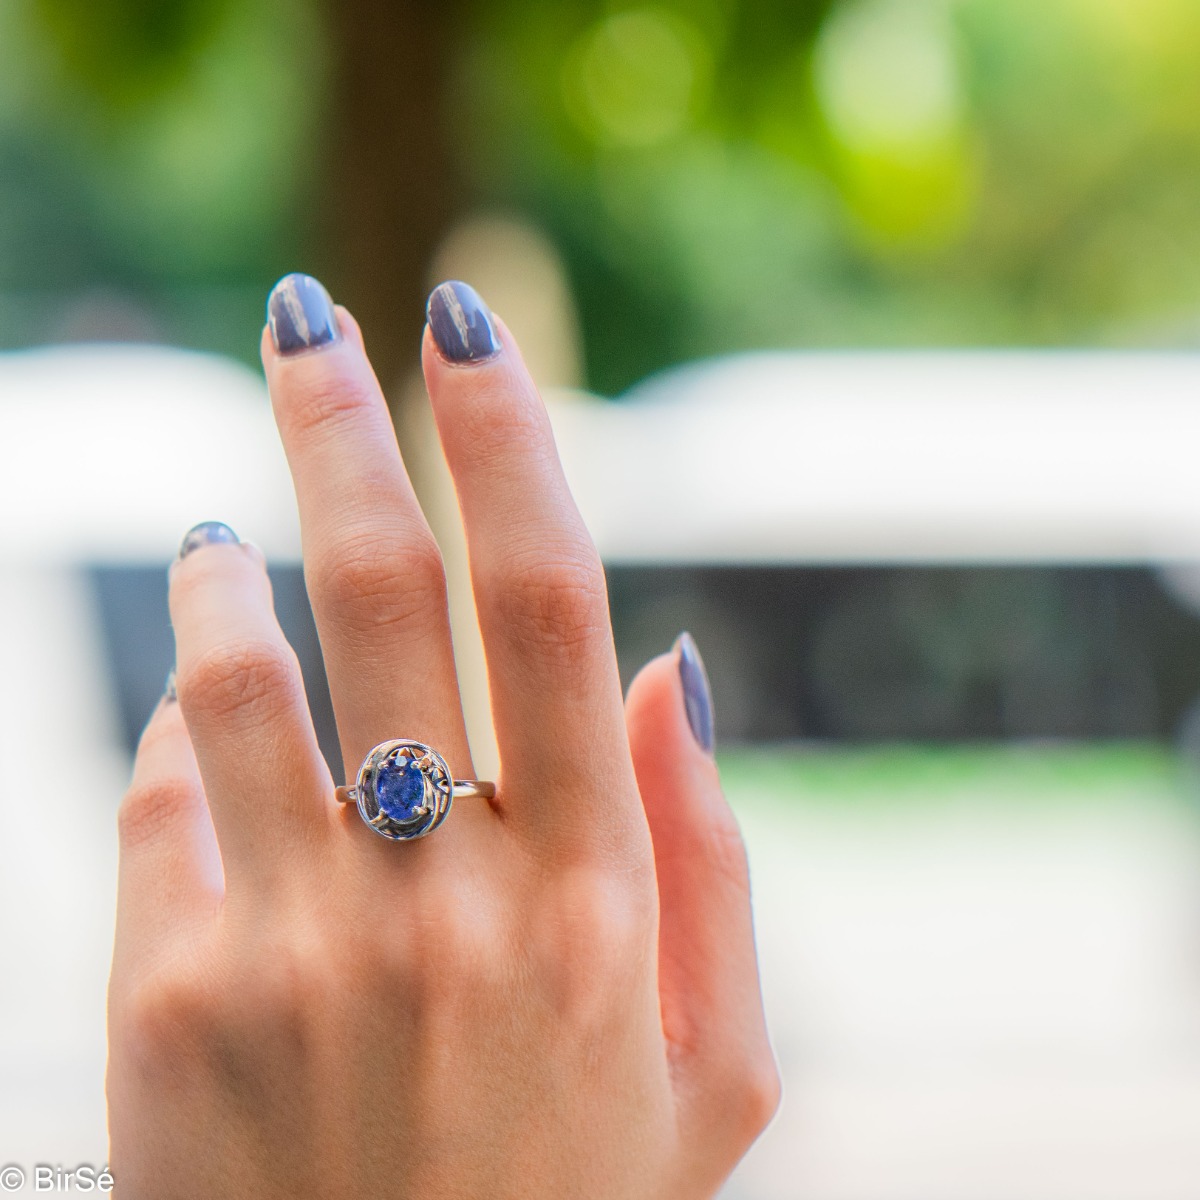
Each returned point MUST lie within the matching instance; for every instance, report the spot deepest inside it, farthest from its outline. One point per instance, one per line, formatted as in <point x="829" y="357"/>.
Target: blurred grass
<point x="890" y="775"/>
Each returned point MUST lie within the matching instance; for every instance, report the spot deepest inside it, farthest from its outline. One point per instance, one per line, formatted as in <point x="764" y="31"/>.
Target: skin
<point x="555" y="994"/>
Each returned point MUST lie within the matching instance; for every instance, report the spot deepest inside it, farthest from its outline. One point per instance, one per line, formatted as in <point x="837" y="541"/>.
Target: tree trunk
<point x="388" y="192"/>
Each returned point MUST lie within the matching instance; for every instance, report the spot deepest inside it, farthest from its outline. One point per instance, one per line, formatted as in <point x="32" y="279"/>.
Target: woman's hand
<point x="553" y="995"/>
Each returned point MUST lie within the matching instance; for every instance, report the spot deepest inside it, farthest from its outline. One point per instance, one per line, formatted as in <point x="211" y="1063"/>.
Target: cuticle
<point x="467" y="363"/>
<point x="288" y="356"/>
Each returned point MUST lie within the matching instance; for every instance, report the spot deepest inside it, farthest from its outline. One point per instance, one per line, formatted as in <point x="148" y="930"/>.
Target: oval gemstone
<point x="400" y="789"/>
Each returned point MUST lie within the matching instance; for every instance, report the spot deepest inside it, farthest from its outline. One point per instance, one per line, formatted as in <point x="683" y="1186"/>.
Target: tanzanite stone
<point x="400" y="789"/>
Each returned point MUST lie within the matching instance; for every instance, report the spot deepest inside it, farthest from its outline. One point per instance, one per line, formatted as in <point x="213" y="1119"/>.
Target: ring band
<point x="404" y="790"/>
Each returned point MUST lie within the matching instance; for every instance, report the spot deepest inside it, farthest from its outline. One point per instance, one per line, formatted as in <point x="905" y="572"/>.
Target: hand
<point x="553" y="995"/>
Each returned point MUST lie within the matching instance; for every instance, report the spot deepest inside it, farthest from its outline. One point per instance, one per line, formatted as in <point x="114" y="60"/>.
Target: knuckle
<point x="382" y="581"/>
<point x="165" y="1014"/>
<point x="596" y="927"/>
<point x="557" y="606"/>
<point x="261" y="1003"/>
<point x="457" y="942"/>
<point x="237" y="679"/>
<point x="473" y="945"/>
<point x="743" y="1085"/>
<point x="148" y="809"/>
<point x="282" y="984"/>
<point x="274" y="992"/>
<point x="760" y="1091"/>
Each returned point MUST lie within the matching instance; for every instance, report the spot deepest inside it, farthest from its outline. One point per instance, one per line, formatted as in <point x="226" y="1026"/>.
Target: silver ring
<point x="404" y="790"/>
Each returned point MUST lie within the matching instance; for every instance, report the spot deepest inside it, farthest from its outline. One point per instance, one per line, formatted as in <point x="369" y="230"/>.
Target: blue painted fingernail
<point x="461" y="323"/>
<point x="697" y="695"/>
<point x="207" y="533"/>
<point x="170" y="693"/>
<point x="301" y="316"/>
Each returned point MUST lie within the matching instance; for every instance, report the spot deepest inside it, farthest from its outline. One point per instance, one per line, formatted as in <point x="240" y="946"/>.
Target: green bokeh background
<point x="716" y="174"/>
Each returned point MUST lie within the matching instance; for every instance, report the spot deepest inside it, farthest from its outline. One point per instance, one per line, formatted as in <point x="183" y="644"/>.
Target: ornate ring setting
<point x="404" y="790"/>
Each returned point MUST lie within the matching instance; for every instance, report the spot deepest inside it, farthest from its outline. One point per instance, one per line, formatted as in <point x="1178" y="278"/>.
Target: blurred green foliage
<point x="152" y="151"/>
<point x="128" y="52"/>
<point x="870" y="172"/>
<point x="717" y="174"/>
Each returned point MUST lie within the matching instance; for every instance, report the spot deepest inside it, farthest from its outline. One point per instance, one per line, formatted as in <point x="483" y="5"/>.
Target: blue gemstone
<point x="400" y="789"/>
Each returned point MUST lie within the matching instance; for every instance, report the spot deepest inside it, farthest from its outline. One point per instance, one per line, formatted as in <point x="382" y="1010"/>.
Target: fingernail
<point x="207" y="533"/>
<point x="255" y="552"/>
<point x="461" y="323"/>
<point x="300" y="315"/>
<point x="170" y="694"/>
<point x="697" y="695"/>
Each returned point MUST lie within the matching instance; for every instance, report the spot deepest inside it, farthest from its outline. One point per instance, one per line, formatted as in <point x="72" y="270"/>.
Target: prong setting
<point x="403" y="790"/>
